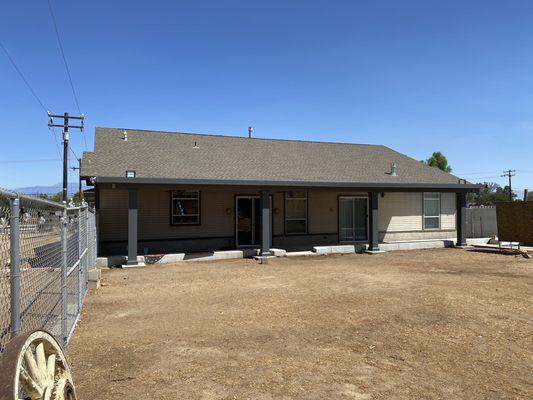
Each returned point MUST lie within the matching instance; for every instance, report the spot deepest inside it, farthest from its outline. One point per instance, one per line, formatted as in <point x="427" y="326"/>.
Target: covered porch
<point x="155" y="219"/>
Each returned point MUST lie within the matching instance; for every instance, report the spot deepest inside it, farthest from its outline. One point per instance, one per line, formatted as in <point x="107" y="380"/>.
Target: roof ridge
<point x="241" y="137"/>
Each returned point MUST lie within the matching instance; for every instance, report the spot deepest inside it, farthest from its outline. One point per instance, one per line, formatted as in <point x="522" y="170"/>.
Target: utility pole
<point x="66" y="117"/>
<point x="509" y="174"/>
<point x="80" y="193"/>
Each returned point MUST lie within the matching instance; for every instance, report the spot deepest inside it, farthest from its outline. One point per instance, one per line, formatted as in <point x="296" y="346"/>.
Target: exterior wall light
<point x="130" y="174"/>
<point x="228" y="211"/>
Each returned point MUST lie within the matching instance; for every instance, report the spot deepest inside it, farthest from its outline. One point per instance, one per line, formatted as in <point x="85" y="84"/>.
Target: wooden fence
<point x="515" y="221"/>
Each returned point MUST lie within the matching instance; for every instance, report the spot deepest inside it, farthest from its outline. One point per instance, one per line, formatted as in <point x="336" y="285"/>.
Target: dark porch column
<point x="265" y="223"/>
<point x="132" y="226"/>
<point x="460" y="218"/>
<point x="373" y="218"/>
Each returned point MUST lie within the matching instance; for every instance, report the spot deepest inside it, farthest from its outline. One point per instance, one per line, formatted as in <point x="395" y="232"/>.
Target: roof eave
<point x="456" y="187"/>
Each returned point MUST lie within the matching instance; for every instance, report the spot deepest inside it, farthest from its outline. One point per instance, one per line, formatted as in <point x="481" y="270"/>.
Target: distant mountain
<point x="49" y="190"/>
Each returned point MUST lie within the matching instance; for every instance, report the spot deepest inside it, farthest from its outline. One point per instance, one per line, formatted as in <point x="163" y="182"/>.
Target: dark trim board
<point x="422" y="231"/>
<point x="307" y="234"/>
<point x="215" y="184"/>
<point x="169" y="239"/>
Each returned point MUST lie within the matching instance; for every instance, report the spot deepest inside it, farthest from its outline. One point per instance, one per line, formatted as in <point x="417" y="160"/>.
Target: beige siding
<point x="278" y="208"/>
<point x="322" y="212"/>
<point x="400" y="211"/>
<point x="154" y="216"/>
<point x="447" y="211"/>
<point x="113" y="214"/>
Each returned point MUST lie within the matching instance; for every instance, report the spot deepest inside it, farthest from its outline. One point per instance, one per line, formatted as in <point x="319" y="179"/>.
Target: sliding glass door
<point x="248" y="221"/>
<point x="353" y="215"/>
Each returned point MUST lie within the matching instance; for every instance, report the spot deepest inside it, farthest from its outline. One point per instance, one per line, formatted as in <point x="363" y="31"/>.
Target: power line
<point x="485" y="177"/>
<point x="73" y="153"/>
<point x="476" y="173"/>
<point x="66" y="66"/>
<point x="19" y="71"/>
<point x="23" y="77"/>
<point x="44" y="160"/>
<point x="63" y="55"/>
<point x="56" y="141"/>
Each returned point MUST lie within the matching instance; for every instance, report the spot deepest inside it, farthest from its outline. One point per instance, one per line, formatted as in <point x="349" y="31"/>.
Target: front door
<point x="353" y="217"/>
<point x="248" y="220"/>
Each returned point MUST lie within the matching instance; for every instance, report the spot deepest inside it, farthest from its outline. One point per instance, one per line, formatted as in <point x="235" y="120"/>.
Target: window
<point x="185" y="207"/>
<point x="295" y="213"/>
<point x="431" y="210"/>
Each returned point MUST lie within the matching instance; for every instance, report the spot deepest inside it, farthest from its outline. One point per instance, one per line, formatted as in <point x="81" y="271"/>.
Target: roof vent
<point x="195" y="145"/>
<point x="125" y="136"/>
<point x="250" y="131"/>
<point x="394" y="169"/>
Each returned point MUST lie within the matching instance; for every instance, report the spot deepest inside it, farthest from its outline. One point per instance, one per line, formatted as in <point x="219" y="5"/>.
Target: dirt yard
<point x="433" y="324"/>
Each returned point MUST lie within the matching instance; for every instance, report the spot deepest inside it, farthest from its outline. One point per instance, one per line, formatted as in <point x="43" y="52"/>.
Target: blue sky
<point x="417" y="76"/>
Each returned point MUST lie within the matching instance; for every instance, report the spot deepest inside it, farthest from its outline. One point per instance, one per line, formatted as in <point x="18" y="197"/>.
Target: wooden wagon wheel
<point x="34" y="367"/>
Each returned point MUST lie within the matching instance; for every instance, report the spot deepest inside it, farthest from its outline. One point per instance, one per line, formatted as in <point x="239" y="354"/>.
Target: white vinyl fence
<point x="481" y="222"/>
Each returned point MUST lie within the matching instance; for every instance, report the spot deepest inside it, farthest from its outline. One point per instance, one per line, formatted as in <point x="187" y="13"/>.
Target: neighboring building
<point x="161" y="192"/>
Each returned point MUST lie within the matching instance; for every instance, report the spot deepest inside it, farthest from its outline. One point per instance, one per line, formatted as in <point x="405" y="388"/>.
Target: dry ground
<point x="433" y="324"/>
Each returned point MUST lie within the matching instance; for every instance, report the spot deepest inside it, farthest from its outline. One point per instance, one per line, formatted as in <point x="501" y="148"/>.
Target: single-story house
<point x="165" y="192"/>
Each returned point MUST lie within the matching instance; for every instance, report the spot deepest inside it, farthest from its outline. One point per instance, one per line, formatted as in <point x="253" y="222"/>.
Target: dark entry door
<point x="248" y="221"/>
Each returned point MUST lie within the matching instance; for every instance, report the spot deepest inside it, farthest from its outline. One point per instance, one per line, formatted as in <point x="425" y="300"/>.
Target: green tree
<point x="76" y="199"/>
<point x="58" y="197"/>
<point x="489" y="194"/>
<point x="439" y="161"/>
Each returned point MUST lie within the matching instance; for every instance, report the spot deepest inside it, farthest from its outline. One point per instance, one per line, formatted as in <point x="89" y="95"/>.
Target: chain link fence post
<point x="64" y="299"/>
<point x="88" y="264"/>
<point x="14" y="270"/>
<point x="81" y="258"/>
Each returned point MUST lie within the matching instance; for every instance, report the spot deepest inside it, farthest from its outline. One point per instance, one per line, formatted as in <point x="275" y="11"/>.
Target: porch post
<point x="132" y="227"/>
<point x="373" y="218"/>
<point x="265" y="223"/>
<point x="460" y="219"/>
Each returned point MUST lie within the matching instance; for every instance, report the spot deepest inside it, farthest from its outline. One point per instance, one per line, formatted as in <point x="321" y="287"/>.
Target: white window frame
<point x="287" y="219"/>
<point x="424" y="216"/>
<point x="174" y="197"/>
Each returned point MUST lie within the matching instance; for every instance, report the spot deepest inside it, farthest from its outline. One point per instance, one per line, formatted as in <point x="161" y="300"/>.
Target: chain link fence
<point x="46" y="251"/>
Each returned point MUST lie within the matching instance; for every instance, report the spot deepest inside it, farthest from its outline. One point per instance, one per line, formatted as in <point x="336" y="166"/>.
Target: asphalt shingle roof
<point x="184" y="156"/>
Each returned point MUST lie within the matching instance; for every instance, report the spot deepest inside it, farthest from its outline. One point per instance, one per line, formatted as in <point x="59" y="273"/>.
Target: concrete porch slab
<point x="138" y="265"/>
<point x="427" y="244"/>
<point x="120" y="261"/>
<point x="301" y="254"/>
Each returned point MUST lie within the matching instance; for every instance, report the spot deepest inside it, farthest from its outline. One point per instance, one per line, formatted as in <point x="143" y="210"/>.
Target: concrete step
<point x="338" y="249"/>
<point x="278" y="252"/>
